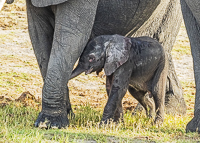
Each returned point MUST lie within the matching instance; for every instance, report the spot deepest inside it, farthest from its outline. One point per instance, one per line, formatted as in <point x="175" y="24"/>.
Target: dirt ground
<point x="17" y="56"/>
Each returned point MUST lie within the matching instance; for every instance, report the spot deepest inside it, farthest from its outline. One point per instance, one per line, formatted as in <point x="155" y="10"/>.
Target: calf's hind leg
<point x="158" y="91"/>
<point x="142" y="97"/>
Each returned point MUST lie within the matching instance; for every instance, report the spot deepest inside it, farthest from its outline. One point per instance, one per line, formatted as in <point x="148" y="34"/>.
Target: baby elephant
<point x="137" y="64"/>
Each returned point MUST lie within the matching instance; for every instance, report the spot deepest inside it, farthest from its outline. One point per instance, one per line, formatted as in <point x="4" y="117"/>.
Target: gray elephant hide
<point x="43" y="3"/>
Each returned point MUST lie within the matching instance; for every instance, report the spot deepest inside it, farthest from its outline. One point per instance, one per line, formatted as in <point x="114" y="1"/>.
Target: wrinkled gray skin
<point x="60" y="29"/>
<point x="191" y="15"/>
<point x="137" y="64"/>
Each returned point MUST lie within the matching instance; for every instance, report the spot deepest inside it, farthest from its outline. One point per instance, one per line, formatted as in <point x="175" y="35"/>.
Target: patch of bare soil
<point x="17" y="56"/>
<point x="182" y="58"/>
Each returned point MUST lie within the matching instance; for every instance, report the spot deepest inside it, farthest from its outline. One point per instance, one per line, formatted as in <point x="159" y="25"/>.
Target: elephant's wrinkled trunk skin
<point x="78" y="70"/>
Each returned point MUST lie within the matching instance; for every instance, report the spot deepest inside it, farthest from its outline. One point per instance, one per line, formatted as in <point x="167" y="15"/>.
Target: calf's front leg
<point x="119" y="111"/>
<point x="116" y="89"/>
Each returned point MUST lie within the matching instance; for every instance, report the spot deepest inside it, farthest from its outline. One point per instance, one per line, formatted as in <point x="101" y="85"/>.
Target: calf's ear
<point x="117" y="53"/>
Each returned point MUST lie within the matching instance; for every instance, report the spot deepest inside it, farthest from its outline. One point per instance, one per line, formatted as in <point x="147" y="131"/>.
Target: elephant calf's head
<point x="107" y="51"/>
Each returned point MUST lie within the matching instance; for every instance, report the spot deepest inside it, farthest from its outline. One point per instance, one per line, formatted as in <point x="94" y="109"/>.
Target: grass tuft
<point x="16" y="125"/>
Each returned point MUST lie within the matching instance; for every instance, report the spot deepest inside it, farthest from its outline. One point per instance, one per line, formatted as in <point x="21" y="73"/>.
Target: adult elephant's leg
<point x="191" y="15"/>
<point x="41" y="23"/>
<point x="73" y="24"/>
<point x="164" y="25"/>
<point x="41" y="29"/>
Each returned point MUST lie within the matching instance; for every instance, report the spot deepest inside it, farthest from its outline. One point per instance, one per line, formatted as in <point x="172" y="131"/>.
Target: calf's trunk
<point x="77" y="71"/>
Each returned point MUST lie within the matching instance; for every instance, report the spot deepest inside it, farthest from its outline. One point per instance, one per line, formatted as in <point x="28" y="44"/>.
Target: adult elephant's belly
<point x="122" y="16"/>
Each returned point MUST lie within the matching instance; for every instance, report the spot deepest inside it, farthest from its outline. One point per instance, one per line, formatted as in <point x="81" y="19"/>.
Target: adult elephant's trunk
<point x="78" y="70"/>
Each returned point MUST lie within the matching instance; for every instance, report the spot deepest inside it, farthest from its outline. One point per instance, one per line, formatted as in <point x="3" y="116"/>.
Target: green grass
<point x="16" y="125"/>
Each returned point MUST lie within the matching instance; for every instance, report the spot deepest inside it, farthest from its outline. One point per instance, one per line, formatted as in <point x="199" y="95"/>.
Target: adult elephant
<point x="191" y="15"/>
<point x="60" y="29"/>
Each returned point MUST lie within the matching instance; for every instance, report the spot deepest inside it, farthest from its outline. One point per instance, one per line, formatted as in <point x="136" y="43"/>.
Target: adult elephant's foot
<point x="194" y="124"/>
<point x="47" y="121"/>
<point x="175" y="104"/>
